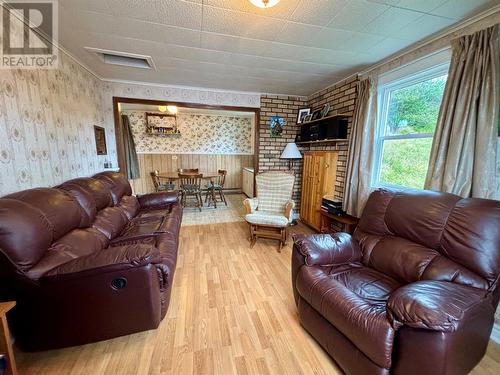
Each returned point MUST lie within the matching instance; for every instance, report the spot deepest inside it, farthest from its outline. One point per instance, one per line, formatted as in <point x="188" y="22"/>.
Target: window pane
<point x="405" y="162"/>
<point x="415" y="108"/>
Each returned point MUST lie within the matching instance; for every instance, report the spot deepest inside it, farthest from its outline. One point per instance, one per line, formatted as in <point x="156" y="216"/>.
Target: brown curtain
<point x="463" y="157"/>
<point x="130" y="152"/>
<point x="360" y="161"/>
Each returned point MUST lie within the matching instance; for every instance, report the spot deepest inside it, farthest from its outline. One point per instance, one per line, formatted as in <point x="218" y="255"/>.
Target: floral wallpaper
<point x="199" y="134"/>
<point x="47" y="120"/>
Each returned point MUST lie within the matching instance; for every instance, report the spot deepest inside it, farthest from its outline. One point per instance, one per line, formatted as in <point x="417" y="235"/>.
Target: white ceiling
<point x="296" y="47"/>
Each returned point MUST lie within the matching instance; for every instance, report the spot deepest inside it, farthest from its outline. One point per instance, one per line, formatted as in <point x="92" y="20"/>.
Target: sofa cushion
<point x="472" y="237"/>
<point x="353" y="298"/>
<point x="129" y="205"/>
<point x="401" y="259"/>
<point x="110" y="222"/>
<point x="420" y="215"/>
<point x="60" y="209"/>
<point x="25" y="233"/>
<point x="99" y="190"/>
<point x="77" y="243"/>
<point x="118" y="184"/>
<point x="86" y="201"/>
<point x="139" y="231"/>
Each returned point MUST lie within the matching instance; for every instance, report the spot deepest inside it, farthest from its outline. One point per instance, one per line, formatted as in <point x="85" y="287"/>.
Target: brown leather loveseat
<point x="86" y="261"/>
<point x="412" y="292"/>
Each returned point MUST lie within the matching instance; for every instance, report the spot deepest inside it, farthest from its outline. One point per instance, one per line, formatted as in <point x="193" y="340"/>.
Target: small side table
<point x="5" y="339"/>
<point x="347" y="222"/>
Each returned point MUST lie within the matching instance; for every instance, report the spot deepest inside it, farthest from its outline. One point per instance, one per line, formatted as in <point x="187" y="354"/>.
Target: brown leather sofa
<point x="412" y="292"/>
<point x="86" y="261"/>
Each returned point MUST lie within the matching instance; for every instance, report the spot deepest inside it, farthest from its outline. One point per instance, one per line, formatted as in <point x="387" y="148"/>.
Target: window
<point x="408" y="112"/>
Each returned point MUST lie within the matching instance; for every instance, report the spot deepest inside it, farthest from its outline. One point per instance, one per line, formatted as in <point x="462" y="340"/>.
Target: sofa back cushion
<point x="118" y="184"/>
<point x="110" y="222"/>
<point x="31" y="220"/>
<point x="25" y="233"/>
<point x="85" y="199"/>
<point x="417" y="234"/>
<point x="130" y="206"/>
<point x="60" y="209"/>
<point x="99" y="191"/>
<point x="472" y="236"/>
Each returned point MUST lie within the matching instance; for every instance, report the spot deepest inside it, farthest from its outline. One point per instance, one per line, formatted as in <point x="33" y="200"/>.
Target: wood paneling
<point x="318" y="179"/>
<point x="171" y="162"/>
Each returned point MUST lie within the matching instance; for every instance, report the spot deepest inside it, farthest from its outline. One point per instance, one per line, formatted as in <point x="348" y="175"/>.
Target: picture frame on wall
<point x="316" y="115"/>
<point x="100" y="140"/>
<point x="303" y="112"/>
<point x="276" y="125"/>
<point x="307" y="118"/>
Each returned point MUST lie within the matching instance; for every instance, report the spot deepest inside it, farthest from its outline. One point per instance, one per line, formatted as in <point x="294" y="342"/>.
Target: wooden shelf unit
<point x="325" y="119"/>
<point x="323" y="141"/>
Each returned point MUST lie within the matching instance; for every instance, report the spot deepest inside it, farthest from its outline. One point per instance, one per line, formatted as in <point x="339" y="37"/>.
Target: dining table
<point x="173" y="176"/>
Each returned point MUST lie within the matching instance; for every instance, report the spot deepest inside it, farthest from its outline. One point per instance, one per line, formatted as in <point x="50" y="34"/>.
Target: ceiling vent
<point x="123" y="58"/>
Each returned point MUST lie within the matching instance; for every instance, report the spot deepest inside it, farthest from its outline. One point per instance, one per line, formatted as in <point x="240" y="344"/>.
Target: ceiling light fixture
<point x="264" y="3"/>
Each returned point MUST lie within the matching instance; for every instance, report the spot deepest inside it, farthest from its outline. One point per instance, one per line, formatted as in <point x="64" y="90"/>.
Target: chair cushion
<point x="166" y="187"/>
<point x="353" y="298"/>
<point x="267" y="218"/>
<point x="191" y="188"/>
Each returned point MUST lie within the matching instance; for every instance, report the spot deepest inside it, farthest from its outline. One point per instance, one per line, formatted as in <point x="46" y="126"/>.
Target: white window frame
<point x="384" y="94"/>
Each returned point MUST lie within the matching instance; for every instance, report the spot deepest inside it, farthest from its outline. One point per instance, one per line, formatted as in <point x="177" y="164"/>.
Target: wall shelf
<point x="324" y="119"/>
<point x="323" y="141"/>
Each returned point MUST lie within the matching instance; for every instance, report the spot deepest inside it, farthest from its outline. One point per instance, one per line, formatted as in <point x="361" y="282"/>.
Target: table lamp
<point x="291" y="152"/>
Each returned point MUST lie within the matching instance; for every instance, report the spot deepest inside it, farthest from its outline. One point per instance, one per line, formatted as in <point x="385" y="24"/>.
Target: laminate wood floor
<point x="231" y="313"/>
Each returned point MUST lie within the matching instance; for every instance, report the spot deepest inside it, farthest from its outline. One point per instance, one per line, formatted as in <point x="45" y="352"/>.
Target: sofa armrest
<point x="119" y="258"/>
<point x="436" y="305"/>
<point x="157" y="200"/>
<point x="251" y="205"/>
<point x="327" y="249"/>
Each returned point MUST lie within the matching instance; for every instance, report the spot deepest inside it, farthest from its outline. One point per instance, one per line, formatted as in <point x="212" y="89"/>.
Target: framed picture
<point x="325" y="111"/>
<point x="303" y="112"/>
<point x="316" y="115"/>
<point x="307" y="118"/>
<point x="100" y="140"/>
<point x="276" y="125"/>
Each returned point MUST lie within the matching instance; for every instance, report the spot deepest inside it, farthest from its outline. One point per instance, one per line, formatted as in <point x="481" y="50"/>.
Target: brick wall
<point x="270" y="149"/>
<point x="341" y="97"/>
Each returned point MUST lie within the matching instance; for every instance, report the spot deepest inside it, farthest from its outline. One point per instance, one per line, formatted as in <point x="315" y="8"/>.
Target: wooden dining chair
<point x="158" y="185"/>
<point x="215" y="187"/>
<point x="187" y="170"/>
<point x="190" y="185"/>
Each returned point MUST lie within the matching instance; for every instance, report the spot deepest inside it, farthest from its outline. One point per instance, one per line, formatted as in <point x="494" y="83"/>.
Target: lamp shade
<point x="291" y="151"/>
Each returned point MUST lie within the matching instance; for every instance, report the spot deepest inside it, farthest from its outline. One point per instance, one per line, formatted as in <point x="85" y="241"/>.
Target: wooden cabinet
<point x="248" y="182"/>
<point x="318" y="179"/>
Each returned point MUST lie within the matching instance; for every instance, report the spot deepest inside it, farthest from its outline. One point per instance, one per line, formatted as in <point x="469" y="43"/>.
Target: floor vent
<point x="123" y="58"/>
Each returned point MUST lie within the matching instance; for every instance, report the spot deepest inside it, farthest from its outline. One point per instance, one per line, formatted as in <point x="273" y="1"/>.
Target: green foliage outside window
<point x="411" y="110"/>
